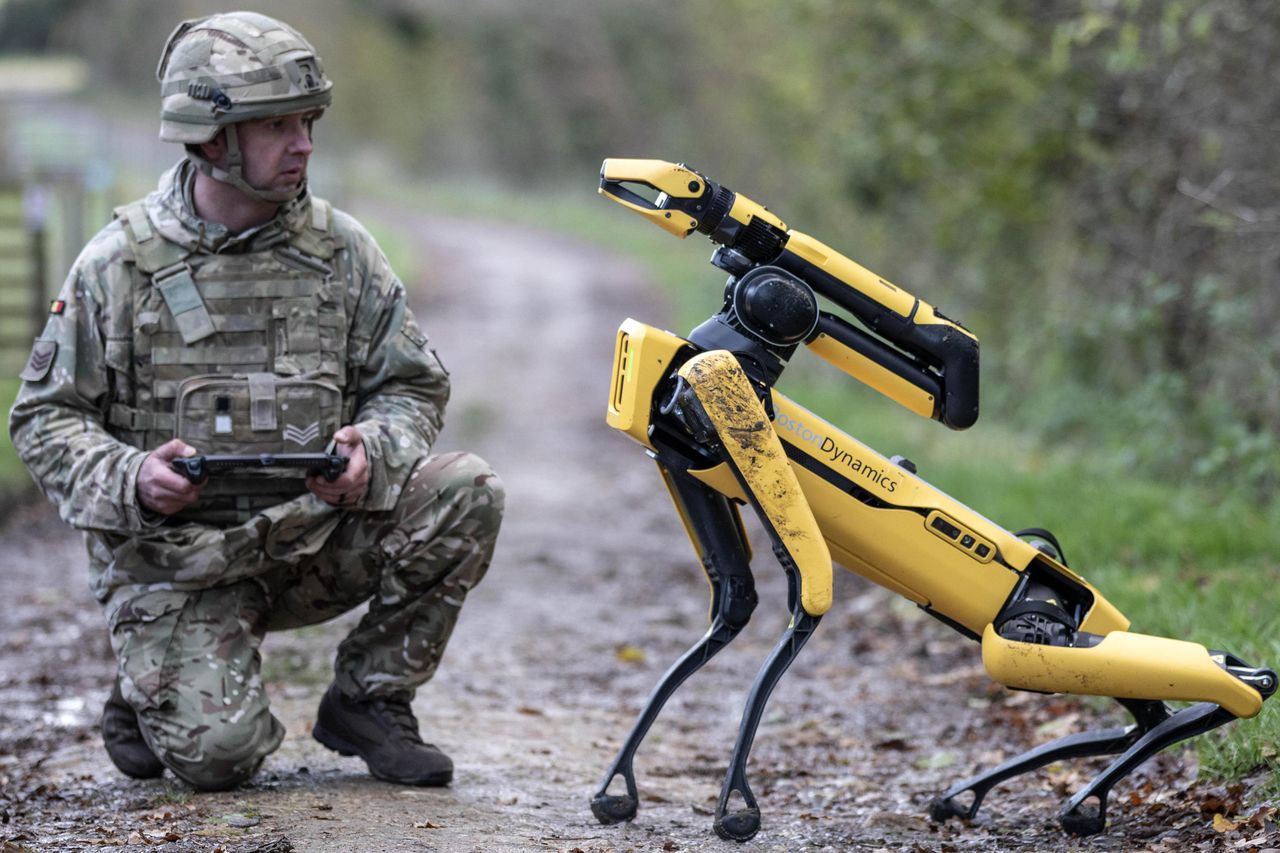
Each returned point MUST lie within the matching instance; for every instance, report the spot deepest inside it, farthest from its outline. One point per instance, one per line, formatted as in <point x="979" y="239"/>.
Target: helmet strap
<point x="234" y="173"/>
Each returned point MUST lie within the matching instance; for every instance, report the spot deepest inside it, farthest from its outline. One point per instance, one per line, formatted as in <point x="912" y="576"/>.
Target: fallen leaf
<point x="1218" y="799"/>
<point x="1259" y="819"/>
<point x="937" y="761"/>
<point x="894" y="820"/>
<point x="629" y="654"/>
<point x="426" y="824"/>
<point x="1222" y="823"/>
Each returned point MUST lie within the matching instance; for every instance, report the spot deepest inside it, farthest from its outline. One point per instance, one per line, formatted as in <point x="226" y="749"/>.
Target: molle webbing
<point x="179" y="291"/>
<point x="139" y="420"/>
<point x="262" y="402"/>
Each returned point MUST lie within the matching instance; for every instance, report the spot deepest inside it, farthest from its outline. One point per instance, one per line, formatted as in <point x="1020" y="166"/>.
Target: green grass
<point x="1189" y="558"/>
<point x="172" y="798"/>
<point x="13" y="474"/>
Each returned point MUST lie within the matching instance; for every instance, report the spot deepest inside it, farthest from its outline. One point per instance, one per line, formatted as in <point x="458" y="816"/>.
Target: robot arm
<point x="915" y="356"/>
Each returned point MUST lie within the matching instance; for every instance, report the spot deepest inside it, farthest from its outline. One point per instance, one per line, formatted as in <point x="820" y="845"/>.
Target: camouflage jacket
<point x="59" y="423"/>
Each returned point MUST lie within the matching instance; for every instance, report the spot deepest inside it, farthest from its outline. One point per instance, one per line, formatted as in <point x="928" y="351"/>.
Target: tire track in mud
<point x="883" y="709"/>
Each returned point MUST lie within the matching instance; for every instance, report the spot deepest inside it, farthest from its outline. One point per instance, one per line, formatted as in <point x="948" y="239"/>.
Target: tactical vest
<point x="234" y="353"/>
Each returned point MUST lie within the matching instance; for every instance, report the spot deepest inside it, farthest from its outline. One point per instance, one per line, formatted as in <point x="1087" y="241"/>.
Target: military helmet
<point x="232" y="67"/>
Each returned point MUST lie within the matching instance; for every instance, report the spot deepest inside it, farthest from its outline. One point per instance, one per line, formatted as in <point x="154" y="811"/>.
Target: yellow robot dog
<point x="706" y="410"/>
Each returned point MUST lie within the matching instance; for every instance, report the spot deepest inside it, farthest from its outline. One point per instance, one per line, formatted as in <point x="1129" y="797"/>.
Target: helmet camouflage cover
<point x="228" y="68"/>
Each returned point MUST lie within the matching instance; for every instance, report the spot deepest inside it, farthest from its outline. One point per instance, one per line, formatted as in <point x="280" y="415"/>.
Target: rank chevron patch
<point x="302" y="437"/>
<point x="40" y="361"/>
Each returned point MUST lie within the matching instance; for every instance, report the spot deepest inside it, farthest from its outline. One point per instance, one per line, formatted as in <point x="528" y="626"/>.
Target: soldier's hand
<point x="162" y="489"/>
<point x="348" y="490"/>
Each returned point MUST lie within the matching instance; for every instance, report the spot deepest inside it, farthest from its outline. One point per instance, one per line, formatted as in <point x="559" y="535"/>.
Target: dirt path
<point x="882" y="710"/>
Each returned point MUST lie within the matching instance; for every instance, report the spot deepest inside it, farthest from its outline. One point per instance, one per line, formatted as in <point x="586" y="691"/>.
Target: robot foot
<point x="1082" y="745"/>
<point x="1086" y="812"/>
<point x="739" y="825"/>
<point x="609" y="808"/>
<point x="1084" y="819"/>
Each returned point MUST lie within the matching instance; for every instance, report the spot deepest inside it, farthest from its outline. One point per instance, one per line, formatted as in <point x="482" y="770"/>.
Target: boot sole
<point x="149" y="772"/>
<point x="344" y="747"/>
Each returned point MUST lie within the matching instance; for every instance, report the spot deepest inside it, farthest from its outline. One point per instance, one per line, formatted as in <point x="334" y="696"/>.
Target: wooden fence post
<point x="34" y="204"/>
<point x="39" y="304"/>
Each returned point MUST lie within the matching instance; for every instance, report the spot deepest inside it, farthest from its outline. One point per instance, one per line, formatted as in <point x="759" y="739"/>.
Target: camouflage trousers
<point x="189" y="660"/>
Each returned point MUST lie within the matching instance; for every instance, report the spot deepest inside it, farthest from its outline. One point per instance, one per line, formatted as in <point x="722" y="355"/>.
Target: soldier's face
<point x="276" y="150"/>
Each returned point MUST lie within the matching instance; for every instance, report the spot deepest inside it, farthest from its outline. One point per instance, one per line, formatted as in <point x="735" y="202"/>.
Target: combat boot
<point x="124" y="742"/>
<point x="384" y="732"/>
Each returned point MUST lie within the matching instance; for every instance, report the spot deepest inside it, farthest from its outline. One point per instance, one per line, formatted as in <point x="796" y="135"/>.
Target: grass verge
<point x="14" y="479"/>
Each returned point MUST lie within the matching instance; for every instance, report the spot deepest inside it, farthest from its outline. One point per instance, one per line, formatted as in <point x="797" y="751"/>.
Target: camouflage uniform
<point x="189" y="598"/>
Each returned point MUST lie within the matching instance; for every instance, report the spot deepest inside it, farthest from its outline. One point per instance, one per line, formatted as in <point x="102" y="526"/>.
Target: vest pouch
<point x="257" y="413"/>
<point x="254" y="413"/>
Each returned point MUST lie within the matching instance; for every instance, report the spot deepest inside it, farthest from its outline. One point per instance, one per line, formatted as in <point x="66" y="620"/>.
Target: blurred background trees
<point x="1091" y="185"/>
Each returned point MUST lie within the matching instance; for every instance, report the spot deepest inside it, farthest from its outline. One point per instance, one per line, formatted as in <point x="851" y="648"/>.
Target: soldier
<point x="231" y="311"/>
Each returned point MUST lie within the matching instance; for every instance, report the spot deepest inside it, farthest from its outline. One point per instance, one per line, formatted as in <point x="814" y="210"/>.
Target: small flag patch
<point x="57" y="306"/>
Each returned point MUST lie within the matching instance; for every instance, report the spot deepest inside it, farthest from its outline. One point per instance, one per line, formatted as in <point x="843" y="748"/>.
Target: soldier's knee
<point x="488" y="495"/>
<point x="467" y="472"/>
<point x="215" y="756"/>
<point x="467" y="484"/>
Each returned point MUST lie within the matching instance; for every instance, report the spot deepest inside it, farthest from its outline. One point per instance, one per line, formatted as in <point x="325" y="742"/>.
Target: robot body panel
<point x="721" y="478"/>
<point x="1122" y="665"/>
<point x="642" y="357"/>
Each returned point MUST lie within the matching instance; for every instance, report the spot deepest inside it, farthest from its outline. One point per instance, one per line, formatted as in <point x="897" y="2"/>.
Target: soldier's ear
<point x="215" y="150"/>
